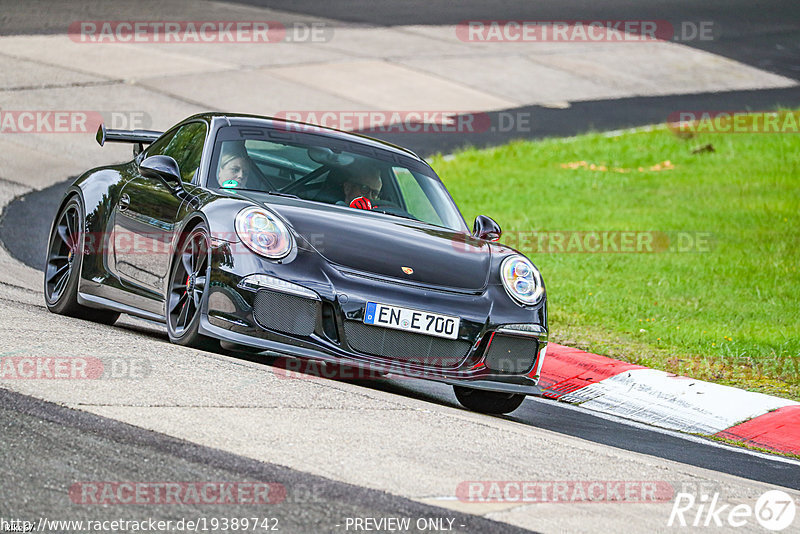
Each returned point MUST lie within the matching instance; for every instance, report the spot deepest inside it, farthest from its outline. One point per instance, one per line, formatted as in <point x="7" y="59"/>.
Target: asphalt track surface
<point x="765" y="35"/>
<point x="762" y="34"/>
<point x="47" y="448"/>
<point x="27" y="243"/>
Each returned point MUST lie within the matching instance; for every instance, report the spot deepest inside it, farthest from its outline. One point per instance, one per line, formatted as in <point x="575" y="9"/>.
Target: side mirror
<point x="486" y="228"/>
<point x="163" y="167"/>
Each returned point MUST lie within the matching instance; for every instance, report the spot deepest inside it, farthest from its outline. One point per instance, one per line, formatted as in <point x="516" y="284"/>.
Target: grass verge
<point x="708" y="282"/>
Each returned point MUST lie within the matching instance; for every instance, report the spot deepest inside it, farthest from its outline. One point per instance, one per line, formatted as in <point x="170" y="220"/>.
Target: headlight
<point x="263" y="233"/>
<point x="522" y="280"/>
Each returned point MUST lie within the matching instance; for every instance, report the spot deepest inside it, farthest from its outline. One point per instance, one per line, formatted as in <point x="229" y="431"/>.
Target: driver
<point x="363" y="180"/>
<point x="235" y="166"/>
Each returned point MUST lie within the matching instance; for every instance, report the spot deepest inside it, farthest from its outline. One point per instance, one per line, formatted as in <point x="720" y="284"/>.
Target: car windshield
<point x="323" y="169"/>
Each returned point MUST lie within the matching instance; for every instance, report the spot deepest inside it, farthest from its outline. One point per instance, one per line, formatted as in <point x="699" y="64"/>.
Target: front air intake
<point x="285" y="313"/>
<point x="511" y="354"/>
<point x="410" y="347"/>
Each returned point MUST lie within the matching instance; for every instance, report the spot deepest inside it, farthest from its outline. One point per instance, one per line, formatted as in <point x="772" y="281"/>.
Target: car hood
<point x="382" y="244"/>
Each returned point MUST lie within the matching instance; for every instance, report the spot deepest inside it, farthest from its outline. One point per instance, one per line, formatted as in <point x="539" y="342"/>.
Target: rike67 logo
<point x="774" y="510"/>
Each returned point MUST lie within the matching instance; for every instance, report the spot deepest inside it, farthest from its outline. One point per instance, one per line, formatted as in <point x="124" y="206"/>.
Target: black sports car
<point x="301" y="240"/>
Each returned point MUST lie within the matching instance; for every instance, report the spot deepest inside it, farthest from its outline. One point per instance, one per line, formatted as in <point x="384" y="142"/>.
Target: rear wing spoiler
<point x="140" y="137"/>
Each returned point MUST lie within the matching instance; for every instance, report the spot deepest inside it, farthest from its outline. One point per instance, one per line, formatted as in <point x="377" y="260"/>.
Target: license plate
<point x="432" y="324"/>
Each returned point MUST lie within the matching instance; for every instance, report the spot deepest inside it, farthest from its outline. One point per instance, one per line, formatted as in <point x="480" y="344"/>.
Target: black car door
<point x="145" y="216"/>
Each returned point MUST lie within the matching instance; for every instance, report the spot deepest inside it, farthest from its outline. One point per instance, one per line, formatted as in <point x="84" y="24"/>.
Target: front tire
<point x="188" y="281"/>
<point x="489" y="402"/>
<point x="65" y="250"/>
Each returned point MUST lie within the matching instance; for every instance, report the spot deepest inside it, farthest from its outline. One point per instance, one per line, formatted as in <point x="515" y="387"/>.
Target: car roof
<point x="253" y="120"/>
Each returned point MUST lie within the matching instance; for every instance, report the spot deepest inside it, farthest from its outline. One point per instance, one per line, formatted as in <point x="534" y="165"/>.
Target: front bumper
<point x="331" y="327"/>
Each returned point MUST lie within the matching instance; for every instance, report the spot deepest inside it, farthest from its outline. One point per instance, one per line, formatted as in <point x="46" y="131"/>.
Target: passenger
<point x="234" y="167"/>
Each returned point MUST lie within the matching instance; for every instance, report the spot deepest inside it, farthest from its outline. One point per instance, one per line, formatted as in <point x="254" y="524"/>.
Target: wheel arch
<point x="187" y="224"/>
<point x="71" y="192"/>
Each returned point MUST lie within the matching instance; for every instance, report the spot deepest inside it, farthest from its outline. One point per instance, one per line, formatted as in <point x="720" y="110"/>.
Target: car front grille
<point x="289" y="314"/>
<point x="511" y="354"/>
<point x="410" y="347"/>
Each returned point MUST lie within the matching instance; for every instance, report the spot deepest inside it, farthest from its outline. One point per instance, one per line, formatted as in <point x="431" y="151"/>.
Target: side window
<point x="157" y="148"/>
<point x="417" y="202"/>
<point x="185" y="145"/>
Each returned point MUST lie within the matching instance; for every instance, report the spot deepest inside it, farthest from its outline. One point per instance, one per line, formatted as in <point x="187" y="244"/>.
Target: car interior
<point x="318" y="174"/>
